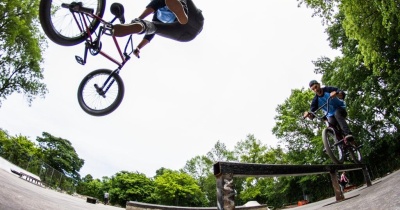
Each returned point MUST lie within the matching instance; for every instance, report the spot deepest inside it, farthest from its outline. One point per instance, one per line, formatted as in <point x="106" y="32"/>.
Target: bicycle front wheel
<point x="334" y="152"/>
<point x="59" y="25"/>
<point x="100" y="92"/>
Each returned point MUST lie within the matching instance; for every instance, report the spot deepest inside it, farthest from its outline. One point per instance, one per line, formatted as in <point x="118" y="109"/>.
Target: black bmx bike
<point x="335" y="145"/>
<point x="68" y="23"/>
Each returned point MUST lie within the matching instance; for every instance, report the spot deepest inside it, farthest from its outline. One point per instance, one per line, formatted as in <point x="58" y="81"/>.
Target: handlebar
<point x="314" y="113"/>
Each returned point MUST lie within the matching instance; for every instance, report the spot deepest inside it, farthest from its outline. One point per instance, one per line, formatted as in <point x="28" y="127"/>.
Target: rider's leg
<point x="179" y="8"/>
<point x="340" y="115"/>
<point x="137" y="26"/>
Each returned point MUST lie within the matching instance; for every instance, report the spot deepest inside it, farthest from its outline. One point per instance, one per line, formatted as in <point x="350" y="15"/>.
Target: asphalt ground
<point x="18" y="194"/>
<point x="383" y="194"/>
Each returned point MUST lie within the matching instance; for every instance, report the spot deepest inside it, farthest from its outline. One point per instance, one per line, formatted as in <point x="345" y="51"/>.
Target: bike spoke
<point x="93" y="99"/>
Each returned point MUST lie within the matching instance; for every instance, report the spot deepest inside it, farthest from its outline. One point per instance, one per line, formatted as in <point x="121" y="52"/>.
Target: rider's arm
<point x="334" y="91"/>
<point x="313" y="107"/>
<point x="314" y="104"/>
<point x="143" y="43"/>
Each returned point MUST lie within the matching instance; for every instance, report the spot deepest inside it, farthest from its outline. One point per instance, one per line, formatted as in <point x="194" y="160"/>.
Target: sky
<point x="180" y="98"/>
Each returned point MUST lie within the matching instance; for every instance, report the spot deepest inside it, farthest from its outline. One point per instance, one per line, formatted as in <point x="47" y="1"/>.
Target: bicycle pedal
<point x="79" y="60"/>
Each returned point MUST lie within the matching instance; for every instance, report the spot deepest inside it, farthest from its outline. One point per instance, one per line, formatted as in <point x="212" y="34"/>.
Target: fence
<point x="49" y="176"/>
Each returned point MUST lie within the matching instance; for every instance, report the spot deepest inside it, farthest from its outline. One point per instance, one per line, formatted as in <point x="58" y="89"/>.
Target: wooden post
<point x="338" y="193"/>
<point x="366" y="176"/>
<point x="225" y="192"/>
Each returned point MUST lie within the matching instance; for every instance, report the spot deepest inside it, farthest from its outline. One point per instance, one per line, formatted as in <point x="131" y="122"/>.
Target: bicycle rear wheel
<point x="354" y="153"/>
<point x="99" y="93"/>
<point x="334" y="152"/>
<point x="59" y="24"/>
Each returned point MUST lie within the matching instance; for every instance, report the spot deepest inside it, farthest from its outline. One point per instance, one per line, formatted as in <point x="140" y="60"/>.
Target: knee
<point x="148" y="27"/>
<point x="341" y="112"/>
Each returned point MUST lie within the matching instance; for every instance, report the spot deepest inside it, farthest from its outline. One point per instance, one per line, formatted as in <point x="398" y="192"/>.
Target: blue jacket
<point x="321" y="100"/>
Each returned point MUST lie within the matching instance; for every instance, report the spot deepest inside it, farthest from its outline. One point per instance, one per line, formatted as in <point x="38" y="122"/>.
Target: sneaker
<point x="177" y="8"/>
<point x="120" y="30"/>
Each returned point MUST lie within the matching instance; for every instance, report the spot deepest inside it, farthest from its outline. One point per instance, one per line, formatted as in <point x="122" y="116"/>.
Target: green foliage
<point x="60" y="154"/>
<point x="17" y="149"/>
<point x="200" y="168"/>
<point x="130" y="186"/>
<point x="178" y="189"/>
<point x="220" y="153"/>
<point x="21" y="45"/>
<point x="301" y="137"/>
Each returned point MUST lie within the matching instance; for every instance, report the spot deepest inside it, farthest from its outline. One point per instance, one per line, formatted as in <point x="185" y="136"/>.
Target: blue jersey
<point x="333" y="104"/>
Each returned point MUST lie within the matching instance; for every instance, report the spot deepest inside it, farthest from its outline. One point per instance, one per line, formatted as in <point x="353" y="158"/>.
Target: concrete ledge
<point x="91" y="200"/>
<point x="131" y="205"/>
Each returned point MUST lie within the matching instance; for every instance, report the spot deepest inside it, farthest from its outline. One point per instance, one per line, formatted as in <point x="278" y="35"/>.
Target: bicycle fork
<point x="107" y="84"/>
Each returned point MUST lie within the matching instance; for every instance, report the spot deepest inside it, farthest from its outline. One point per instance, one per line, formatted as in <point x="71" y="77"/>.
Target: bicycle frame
<point x="82" y="18"/>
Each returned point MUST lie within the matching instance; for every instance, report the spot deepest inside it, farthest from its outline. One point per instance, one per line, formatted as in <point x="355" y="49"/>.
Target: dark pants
<point x="340" y="119"/>
<point x="185" y="32"/>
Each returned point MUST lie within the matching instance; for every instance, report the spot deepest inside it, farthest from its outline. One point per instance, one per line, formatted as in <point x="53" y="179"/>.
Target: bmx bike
<point x="335" y="145"/>
<point x="68" y="23"/>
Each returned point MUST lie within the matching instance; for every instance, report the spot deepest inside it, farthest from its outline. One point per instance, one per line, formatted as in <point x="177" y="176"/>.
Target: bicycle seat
<point x="117" y="9"/>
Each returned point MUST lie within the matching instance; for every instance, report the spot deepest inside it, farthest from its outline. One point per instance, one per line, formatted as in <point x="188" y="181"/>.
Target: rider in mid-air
<point x="179" y="20"/>
<point x="337" y="108"/>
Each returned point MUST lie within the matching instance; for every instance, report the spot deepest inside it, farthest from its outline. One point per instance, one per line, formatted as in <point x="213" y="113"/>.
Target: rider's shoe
<point x="178" y="9"/>
<point x="135" y="27"/>
<point x="348" y="138"/>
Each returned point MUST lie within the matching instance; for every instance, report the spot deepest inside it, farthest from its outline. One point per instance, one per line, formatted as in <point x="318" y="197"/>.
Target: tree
<point x="21" y="45"/>
<point x="302" y="138"/>
<point x="60" y="154"/>
<point x="130" y="186"/>
<point x="250" y="150"/>
<point x="200" y="168"/>
<point x="220" y="153"/>
<point x="19" y="150"/>
<point x="178" y="189"/>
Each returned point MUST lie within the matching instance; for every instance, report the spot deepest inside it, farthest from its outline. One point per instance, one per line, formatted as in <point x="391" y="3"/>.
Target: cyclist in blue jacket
<point x="337" y="107"/>
<point x="179" y="20"/>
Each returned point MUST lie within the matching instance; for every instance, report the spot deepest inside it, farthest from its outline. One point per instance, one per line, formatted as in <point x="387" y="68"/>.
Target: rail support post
<point x="338" y="193"/>
<point x="225" y="192"/>
<point x="367" y="178"/>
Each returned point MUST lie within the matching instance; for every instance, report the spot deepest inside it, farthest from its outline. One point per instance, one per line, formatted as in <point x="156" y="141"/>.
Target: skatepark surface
<point x="18" y="194"/>
<point x="384" y="194"/>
